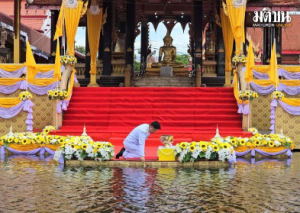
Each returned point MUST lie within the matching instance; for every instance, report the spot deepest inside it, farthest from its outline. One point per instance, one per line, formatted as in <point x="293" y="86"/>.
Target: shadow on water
<point x="38" y="184"/>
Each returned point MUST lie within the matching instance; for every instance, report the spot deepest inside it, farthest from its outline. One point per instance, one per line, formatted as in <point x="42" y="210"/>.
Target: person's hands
<point x="143" y="158"/>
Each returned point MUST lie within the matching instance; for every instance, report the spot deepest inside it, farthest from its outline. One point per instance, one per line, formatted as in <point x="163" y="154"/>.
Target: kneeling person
<point x="134" y="143"/>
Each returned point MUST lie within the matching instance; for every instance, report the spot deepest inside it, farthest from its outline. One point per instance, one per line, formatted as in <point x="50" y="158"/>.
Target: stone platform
<point x="158" y="81"/>
<point x="176" y="72"/>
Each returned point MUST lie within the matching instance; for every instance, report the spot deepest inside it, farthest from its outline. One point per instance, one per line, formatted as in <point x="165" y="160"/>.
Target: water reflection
<point x="38" y="184"/>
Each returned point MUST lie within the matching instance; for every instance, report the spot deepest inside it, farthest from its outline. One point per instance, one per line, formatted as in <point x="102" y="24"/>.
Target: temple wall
<point x="289" y="124"/>
<point x="42" y="114"/>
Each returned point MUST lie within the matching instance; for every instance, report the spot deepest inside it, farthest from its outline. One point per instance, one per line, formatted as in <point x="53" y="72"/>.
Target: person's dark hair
<point x="155" y="125"/>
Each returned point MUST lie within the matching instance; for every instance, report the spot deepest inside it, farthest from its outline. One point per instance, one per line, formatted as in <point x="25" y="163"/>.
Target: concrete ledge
<point x="156" y="164"/>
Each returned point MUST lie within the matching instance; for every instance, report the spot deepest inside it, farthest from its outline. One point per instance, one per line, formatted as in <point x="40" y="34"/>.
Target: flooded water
<point x="32" y="184"/>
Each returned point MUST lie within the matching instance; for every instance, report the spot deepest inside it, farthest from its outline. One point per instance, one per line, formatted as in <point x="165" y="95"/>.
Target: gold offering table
<point x="176" y="71"/>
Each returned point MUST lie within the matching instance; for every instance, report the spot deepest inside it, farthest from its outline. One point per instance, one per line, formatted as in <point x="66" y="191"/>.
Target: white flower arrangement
<point x="195" y="151"/>
<point x="57" y="94"/>
<point x="82" y="147"/>
<point x="254" y="131"/>
<point x="25" y="95"/>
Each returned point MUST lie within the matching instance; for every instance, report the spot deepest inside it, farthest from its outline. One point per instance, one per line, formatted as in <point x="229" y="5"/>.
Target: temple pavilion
<point x="123" y="21"/>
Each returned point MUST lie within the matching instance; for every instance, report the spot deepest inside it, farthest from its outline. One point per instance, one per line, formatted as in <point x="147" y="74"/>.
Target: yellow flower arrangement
<point x="48" y="129"/>
<point x="203" y="146"/>
<point x="277" y="95"/>
<point x="247" y="95"/>
<point x="241" y="59"/>
<point x="25" y="95"/>
<point x="57" y="94"/>
<point x="68" y="59"/>
<point x="183" y="145"/>
<point x="215" y="147"/>
<point x="192" y="148"/>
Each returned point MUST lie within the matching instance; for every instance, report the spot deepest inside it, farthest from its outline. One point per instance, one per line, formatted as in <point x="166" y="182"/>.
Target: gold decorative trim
<point x="221" y="50"/>
<point x="88" y="54"/>
<point x="106" y="49"/>
<point x="278" y="55"/>
<point x="268" y="61"/>
<point x="198" y="50"/>
<point x="53" y="53"/>
<point x="129" y="49"/>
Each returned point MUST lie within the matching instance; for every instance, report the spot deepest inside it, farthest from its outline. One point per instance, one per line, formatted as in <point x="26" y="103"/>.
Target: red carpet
<point x="188" y="114"/>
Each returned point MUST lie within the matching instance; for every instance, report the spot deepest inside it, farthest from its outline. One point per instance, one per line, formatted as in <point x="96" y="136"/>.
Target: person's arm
<point x="142" y="139"/>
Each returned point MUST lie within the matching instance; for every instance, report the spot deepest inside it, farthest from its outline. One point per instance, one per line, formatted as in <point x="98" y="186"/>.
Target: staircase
<point x="110" y="113"/>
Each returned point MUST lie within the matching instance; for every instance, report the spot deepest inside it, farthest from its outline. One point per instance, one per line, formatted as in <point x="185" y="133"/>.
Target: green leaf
<point x="202" y="155"/>
<point x="213" y="156"/>
<point x="187" y="157"/>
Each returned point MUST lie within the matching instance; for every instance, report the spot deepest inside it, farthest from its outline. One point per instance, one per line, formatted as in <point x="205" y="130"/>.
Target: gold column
<point x="227" y="79"/>
<point x="17" y="11"/>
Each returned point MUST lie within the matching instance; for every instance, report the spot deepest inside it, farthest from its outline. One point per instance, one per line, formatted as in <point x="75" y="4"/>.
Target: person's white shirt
<point x="135" y="142"/>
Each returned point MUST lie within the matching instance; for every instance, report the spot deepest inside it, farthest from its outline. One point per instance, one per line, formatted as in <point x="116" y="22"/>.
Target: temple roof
<point x="31" y="18"/>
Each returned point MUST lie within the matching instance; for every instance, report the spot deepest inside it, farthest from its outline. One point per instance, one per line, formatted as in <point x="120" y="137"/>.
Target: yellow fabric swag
<point x="94" y="25"/>
<point x="291" y="101"/>
<point x="237" y="20"/>
<point x="72" y="16"/>
<point x="10" y="81"/>
<point x="228" y="40"/>
<point x="250" y="64"/>
<point x="11" y="67"/>
<point x="9" y="102"/>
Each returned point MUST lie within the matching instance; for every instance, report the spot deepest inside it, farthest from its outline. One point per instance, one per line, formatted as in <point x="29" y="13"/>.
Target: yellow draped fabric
<point x="291" y="101"/>
<point x="72" y="16"/>
<point x="70" y="88"/>
<point x="30" y="62"/>
<point x="32" y="71"/>
<point x="265" y="149"/>
<point x="42" y="82"/>
<point x="11" y="67"/>
<point x="250" y="64"/>
<point x="228" y="40"/>
<point x="237" y="20"/>
<point x="53" y="147"/>
<point x="292" y="83"/>
<point x="44" y="67"/>
<point x="290" y="68"/>
<point x="10" y="81"/>
<point x="273" y="71"/>
<point x="29" y="147"/>
<point x="241" y="148"/>
<point x="261" y="68"/>
<point x="59" y="23"/>
<point x="9" y="102"/>
<point x="235" y="85"/>
<point x="94" y="25"/>
<point x="265" y="83"/>
<point x="57" y="67"/>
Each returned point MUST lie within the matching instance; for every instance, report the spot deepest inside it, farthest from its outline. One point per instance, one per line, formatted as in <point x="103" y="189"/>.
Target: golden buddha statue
<point x="168" y="51"/>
